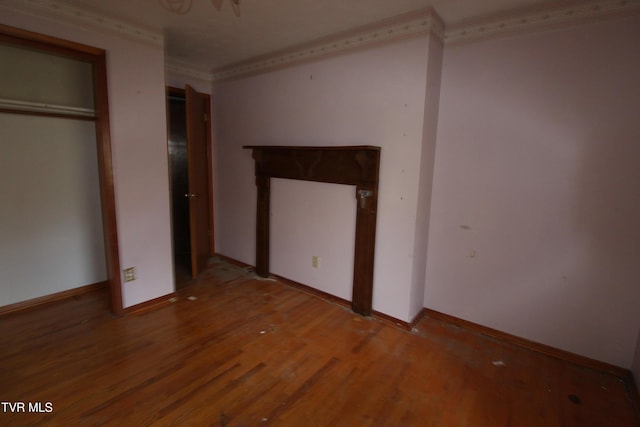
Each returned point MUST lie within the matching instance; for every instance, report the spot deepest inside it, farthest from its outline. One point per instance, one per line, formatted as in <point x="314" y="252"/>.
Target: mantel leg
<point x="366" y="215"/>
<point x="262" y="226"/>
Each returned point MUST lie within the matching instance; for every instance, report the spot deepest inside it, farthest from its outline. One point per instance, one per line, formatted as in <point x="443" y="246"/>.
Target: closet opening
<point x="59" y="219"/>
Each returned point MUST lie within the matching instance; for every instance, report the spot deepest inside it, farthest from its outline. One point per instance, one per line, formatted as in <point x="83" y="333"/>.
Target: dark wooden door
<point x="198" y="194"/>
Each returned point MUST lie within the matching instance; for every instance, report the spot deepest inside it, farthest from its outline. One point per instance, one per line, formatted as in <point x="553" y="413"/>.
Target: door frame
<point x="97" y="58"/>
<point x="176" y="91"/>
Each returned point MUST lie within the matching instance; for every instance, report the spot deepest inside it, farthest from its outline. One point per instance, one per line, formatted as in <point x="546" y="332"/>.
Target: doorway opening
<point x="190" y="159"/>
<point x="179" y="185"/>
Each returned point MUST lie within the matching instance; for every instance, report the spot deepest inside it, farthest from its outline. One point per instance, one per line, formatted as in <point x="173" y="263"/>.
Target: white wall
<point x="425" y="186"/>
<point x="138" y="136"/>
<point x="51" y="236"/>
<point x="534" y="227"/>
<point x="300" y="214"/>
<point x="371" y="97"/>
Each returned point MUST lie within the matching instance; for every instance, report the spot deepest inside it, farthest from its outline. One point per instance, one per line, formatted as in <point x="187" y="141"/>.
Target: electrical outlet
<point x="315" y="261"/>
<point x="129" y="274"/>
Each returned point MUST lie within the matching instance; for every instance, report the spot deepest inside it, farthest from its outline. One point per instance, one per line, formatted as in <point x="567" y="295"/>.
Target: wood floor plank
<point x="237" y="350"/>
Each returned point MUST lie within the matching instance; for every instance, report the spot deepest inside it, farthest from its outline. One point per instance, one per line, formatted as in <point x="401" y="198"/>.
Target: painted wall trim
<point x="413" y="24"/>
<point x="55" y="10"/>
<point x="539" y="17"/>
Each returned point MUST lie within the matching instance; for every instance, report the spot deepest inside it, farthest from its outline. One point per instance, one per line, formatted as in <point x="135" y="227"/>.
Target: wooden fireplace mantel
<point x="351" y="165"/>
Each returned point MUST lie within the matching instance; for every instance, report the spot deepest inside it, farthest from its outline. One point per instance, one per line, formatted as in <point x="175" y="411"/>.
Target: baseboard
<point x="313" y="291"/>
<point x="305" y="288"/>
<point x="548" y="350"/>
<point x="385" y="318"/>
<point x="625" y="375"/>
<point x="418" y="317"/>
<point x="153" y="304"/>
<point x="234" y="261"/>
<point x="46" y="299"/>
<point x="390" y="320"/>
<point x="401" y="323"/>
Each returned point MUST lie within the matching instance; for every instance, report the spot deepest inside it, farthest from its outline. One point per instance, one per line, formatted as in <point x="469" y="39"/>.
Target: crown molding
<point x="428" y="22"/>
<point x="540" y="17"/>
<point x="188" y="70"/>
<point x="422" y="22"/>
<point x="56" y="10"/>
<point x="418" y="23"/>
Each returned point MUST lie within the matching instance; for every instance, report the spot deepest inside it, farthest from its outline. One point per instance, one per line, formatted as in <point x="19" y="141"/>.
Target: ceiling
<point x="210" y="39"/>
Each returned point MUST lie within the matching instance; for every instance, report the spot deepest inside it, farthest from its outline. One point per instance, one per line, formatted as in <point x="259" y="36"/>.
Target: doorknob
<point x="189" y="196"/>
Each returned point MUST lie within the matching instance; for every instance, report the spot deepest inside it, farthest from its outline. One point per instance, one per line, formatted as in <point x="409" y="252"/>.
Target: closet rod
<point x="39" y="107"/>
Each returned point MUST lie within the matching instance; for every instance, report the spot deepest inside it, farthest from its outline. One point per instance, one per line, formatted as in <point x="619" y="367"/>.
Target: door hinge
<point x="206" y="117"/>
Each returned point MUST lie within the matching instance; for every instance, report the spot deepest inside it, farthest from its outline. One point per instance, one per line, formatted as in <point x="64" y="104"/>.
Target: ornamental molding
<point x="174" y="66"/>
<point x="418" y="23"/>
<point x="55" y="10"/>
<point x="538" y="18"/>
<point x="428" y="22"/>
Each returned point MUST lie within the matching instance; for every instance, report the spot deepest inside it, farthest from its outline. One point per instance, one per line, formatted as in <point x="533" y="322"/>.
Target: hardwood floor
<point x="234" y="350"/>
